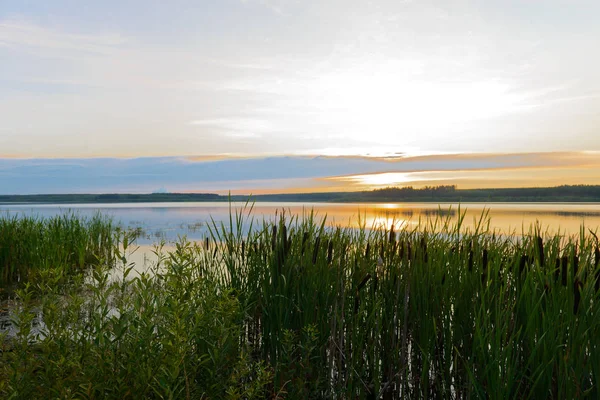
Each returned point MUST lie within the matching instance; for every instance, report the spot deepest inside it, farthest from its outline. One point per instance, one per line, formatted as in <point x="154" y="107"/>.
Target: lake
<point x="168" y="221"/>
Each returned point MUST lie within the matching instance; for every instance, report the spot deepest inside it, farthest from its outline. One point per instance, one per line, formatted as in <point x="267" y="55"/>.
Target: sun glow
<point x="586" y="174"/>
<point x="385" y="106"/>
<point x="389" y="178"/>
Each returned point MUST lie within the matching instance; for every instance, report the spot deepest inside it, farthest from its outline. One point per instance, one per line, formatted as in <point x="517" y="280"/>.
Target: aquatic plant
<point x="32" y="246"/>
<point x="293" y="309"/>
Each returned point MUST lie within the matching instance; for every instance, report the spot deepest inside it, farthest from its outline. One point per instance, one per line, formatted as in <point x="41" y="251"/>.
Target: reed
<point x="292" y="309"/>
<point x="30" y="246"/>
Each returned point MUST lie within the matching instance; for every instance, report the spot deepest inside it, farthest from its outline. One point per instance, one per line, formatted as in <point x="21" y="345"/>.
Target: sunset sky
<point x="259" y="96"/>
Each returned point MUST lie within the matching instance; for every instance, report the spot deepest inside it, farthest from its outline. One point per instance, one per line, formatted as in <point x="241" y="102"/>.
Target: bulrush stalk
<point x="539" y="245"/>
<point x="316" y="250"/>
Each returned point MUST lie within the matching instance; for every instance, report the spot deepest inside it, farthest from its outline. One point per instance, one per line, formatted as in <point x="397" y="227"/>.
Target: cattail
<point x="304" y="240"/>
<point x="522" y="263"/>
<point x="575" y="265"/>
<point x="540" y="249"/>
<point x="329" y="251"/>
<point x="392" y="236"/>
<point x="243" y="249"/>
<point x="364" y="281"/>
<point x="206" y="244"/>
<point x="316" y="250"/>
<point x="424" y="249"/>
<point x="274" y="237"/>
<point x="368" y="250"/>
<point x="564" y="261"/>
<point x="556" y="269"/>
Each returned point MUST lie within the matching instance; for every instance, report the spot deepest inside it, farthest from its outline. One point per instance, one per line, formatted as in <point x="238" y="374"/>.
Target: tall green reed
<point x="31" y="246"/>
<point x="292" y="308"/>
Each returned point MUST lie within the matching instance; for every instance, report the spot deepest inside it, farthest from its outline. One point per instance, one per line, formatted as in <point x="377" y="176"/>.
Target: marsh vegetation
<point x="63" y="245"/>
<point x="294" y="308"/>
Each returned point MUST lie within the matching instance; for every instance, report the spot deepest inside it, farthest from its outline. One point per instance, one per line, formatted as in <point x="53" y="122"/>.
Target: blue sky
<point x="252" y="79"/>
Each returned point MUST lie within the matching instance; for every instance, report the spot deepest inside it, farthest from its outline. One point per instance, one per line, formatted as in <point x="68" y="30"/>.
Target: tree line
<point x="444" y="193"/>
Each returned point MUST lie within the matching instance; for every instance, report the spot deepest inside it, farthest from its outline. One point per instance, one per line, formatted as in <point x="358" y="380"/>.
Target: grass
<point x="292" y="309"/>
<point x="31" y="246"/>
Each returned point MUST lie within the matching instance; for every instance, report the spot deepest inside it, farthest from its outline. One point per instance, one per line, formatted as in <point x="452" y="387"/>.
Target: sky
<point x="297" y="95"/>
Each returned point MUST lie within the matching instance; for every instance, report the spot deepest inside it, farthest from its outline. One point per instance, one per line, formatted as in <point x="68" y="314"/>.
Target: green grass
<point x="34" y="246"/>
<point x="296" y="310"/>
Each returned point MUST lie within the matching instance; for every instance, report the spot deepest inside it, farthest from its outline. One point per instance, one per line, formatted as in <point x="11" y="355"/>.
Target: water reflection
<point x="168" y="221"/>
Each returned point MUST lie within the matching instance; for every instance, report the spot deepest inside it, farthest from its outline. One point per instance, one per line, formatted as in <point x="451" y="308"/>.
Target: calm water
<point x="169" y="220"/>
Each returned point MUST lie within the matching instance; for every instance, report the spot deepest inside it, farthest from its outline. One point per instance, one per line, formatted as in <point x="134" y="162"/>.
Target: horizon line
<point x="456" y="188"/>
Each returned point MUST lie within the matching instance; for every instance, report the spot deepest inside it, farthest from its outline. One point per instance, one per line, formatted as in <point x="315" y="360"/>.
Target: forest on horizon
<point x="443" y="194"/>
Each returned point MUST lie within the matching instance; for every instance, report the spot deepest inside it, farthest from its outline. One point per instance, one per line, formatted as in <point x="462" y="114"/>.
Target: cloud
<point x="276" y="174"/>
<point x="21" y="34"/>
<point x="236" y="127"/>
<point x="277" y="6"/>
<point x="297" y="77"/>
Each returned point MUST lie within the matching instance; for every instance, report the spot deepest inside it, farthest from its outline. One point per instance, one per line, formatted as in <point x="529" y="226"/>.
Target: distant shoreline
<point x="438" y="194"/>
